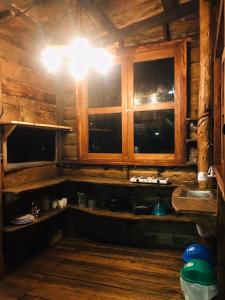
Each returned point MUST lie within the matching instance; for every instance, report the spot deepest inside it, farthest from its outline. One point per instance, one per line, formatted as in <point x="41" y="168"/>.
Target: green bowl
<point x="198" y="271"/>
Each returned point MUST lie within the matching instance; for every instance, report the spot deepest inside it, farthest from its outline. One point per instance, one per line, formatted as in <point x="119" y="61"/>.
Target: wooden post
<point x="1" y="207"/>
<point x="205" y="86"/>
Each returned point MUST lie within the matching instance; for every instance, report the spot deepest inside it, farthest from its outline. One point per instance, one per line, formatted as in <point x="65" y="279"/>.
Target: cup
<point x="202" y="180"/>
<point x="54" y="204"/>
<point x="81" y="200"/>
<point x="61" y="203"/>
<point x="91" y="204"/>
<point x="64" y="200"/>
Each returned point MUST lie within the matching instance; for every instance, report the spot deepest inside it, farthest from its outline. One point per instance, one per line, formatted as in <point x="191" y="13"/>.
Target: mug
<point x="81" y="200"/>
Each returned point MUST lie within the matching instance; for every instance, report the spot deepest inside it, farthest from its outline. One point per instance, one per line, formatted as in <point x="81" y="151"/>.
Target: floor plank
<point x="76" y="268"/>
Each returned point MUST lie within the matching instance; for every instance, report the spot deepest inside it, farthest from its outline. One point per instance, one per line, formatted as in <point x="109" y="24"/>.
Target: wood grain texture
<point x="79" y="269"/>
<point x="205" y="86"/>
<point x="32" y="174"/>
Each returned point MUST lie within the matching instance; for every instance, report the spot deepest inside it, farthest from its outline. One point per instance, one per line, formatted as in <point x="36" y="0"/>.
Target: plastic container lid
<point x="198" y="271"/>
<point x="197" y="251"/>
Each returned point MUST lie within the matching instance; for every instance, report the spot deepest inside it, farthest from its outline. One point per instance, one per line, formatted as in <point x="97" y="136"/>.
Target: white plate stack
<point x="23" y="220"/>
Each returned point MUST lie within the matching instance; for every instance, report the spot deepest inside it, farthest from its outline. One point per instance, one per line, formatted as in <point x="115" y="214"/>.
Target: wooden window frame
<point x="127" y="58"/>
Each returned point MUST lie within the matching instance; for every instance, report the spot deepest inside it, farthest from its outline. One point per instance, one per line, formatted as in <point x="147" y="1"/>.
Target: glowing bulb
<point x="52" y="57"/>
<point x="102" y="60"/>
<point x="80" y="55"/>
<point x="78" y="69"/>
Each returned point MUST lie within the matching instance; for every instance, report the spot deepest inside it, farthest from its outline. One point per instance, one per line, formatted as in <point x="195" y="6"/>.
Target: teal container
<point x="159" y="209"/>
<point x="198" y="271"/>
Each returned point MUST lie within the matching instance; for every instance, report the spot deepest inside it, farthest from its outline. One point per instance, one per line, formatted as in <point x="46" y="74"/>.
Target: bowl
<point x="197" y="251"/>
<point x="198" y="271"/>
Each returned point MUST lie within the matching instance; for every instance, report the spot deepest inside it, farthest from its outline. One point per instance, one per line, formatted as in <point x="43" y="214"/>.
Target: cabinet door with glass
<point x="100" y="107"/>
<point x="136" y="113"/>
<point x="157" y="104"/>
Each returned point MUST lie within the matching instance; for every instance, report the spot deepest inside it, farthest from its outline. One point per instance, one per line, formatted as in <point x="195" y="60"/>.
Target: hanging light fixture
<point x="79" y="56"/>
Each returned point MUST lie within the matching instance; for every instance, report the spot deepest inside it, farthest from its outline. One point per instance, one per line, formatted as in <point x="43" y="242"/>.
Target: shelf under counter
<point x="129" y="216"/>
<point x="44" y="217"/>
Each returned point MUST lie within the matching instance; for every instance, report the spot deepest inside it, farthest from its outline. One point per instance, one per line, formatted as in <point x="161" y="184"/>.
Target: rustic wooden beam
<point x="205" y="85"/>
<point x="177" y="13"/>
<point x="168" y="6"/>
<point x="93" y="10"/>
<point x="15" y="11"/>
<point x="166" y="31"/>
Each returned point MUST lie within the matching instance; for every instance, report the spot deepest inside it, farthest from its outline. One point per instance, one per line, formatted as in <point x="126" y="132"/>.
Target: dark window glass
<point x="29" y="144"/>
<point x="105" y="133"/>
<point x="154" y="131"/>
<point x="104" y="90"/>
<point x="154" y="81"/>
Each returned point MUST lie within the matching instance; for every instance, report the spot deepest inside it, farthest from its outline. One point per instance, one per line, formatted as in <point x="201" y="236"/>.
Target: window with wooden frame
<point x="136" y="114"/>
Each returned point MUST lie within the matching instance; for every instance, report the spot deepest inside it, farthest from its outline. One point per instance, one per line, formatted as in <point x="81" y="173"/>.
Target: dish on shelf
<point x="23" y="220"/>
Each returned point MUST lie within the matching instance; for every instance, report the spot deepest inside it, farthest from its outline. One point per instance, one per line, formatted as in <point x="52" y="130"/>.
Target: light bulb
<point x="80" y="57"/>
<point x="52" y="57"/>
<point x="78" y="69"/>
<point x="102" y="60"/>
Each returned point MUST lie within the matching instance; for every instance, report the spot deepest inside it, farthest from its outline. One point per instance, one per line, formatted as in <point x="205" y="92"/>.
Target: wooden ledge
<point x="129" y="216"/>
<point x="48" y="215"/>
<point x="37" y="125"/>
<point x="36" y="185"/>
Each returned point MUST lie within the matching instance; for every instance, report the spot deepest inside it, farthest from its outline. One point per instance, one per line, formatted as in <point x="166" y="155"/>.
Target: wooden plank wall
<point x="27" y="91"/>
<point x="69" y="116"/>
<point x="185" y="28"/>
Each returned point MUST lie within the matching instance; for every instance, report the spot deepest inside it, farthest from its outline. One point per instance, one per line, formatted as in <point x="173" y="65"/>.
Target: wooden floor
<point x="80" y="269"/>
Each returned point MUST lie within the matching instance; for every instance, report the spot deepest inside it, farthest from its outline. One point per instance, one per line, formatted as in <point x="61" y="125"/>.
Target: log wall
<point x="27" y="92"/>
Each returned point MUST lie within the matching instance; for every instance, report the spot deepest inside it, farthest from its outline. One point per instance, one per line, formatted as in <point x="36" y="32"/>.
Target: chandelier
<point x="78" y="57"/>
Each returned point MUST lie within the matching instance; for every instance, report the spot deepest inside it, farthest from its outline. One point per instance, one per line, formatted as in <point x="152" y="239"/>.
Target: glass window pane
<point x="105" y="133"/>
<point x="104" y="90"/>
<point x="154" y="131"/>
<point x="154" y="81"/>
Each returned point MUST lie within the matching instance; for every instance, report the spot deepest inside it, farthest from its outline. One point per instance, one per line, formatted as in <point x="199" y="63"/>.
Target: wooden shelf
<point x="44" y="217"/>
<point x="18" y="166"/>
<point x="35" y="185"/>
<point x="118" y="182"/>
<point x="129" y="216"/>
<point x="38" y="126"/>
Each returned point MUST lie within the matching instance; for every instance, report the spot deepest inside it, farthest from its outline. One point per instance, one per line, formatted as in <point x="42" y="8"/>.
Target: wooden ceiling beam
<point x="177" y="13"/>
<point x="93" y="10"/>
<point x="168" y="5"/>
<point x="166" y="31"/>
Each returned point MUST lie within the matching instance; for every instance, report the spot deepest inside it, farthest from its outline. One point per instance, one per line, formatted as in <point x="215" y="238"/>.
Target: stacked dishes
<point x="23" y="220"/>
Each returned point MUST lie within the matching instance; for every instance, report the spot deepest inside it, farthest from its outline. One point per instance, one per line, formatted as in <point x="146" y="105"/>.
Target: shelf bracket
<point x="7" y="130"/>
